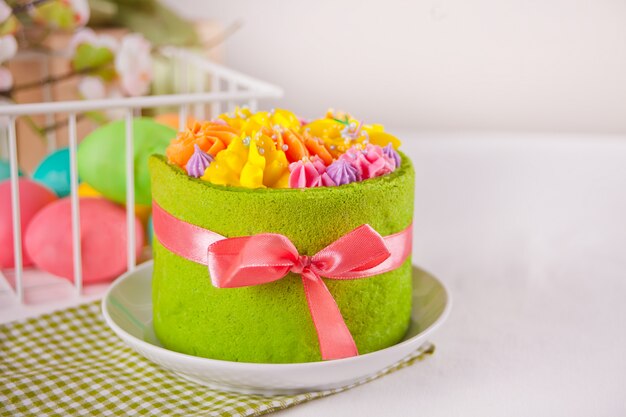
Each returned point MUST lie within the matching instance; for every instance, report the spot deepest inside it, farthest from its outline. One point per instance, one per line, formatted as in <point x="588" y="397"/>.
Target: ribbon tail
<point x="335" y="339"/>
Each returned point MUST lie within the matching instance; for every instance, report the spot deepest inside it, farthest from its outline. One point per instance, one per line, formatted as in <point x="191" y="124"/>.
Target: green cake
<point x="271" y="323"/>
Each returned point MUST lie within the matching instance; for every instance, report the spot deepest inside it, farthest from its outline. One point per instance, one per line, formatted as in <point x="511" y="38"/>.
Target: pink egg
<point x="33" y="197"/>
<point x="102" y="236"/>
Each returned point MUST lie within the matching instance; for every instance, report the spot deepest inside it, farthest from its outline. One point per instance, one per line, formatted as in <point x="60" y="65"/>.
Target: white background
<point x="543" y="65"/>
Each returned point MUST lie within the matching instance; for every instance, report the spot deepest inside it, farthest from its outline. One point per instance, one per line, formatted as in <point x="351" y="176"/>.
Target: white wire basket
<point x="204" y="89"/>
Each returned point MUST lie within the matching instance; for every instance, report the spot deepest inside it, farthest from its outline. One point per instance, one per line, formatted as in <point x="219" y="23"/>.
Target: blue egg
<point x="54" y="171"/>
<point x="5" y="170"/>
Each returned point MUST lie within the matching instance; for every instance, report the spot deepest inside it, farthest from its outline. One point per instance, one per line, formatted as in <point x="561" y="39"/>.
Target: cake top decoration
<point x="278" y="149"/>
<point x="198" y="163"/>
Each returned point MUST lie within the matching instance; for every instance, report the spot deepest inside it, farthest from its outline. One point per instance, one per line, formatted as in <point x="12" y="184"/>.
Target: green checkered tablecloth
<point x="69" y="363"/>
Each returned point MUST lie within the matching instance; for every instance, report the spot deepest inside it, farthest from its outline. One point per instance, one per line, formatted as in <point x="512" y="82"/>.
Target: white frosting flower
<point x="92" y="88"/>
<point x="133" y="63"/>
<point x="6" y="79"/>
<point x="8" y="48"/>
<point x="5" y="11"/>
<point x="90" y="37"/>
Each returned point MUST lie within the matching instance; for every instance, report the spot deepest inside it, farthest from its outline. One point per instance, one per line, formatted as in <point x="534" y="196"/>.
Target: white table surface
<point x="529" y="234"/>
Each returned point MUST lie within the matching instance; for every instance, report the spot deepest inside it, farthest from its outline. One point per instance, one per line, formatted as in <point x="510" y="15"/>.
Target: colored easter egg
<point x="102" y="157"/>
<point x="33" y="197"/>
<point x="142" y="212"/>
<point x="102" y="235"/>
<point x="54" y="172"/>
<point x="86" y="190"/>
<point x="5" y="170"/>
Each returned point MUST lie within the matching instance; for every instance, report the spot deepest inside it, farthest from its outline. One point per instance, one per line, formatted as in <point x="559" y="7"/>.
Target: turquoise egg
<point x="5" y="170"/>
<point x="54" y="172"/>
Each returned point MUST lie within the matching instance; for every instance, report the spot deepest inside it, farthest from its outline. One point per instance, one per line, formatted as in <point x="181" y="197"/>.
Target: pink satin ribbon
<point x="266" y="257"/>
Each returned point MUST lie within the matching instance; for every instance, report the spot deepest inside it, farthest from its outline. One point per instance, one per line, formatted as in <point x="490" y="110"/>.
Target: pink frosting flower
<point x="318" y="164"/>
<point x="303" y="174"/>
<point x="326" y="181"/>
<point x="370" y="162"/>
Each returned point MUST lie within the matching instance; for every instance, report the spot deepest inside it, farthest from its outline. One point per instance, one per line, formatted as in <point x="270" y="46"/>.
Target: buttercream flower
<point x="6" y="79"/>
<point x="343" y="172"/>
<point x="303" y="174"/>
<point x="133" y="64"/>
<point x="392" y="155"/>
<point x="198" y="162"/>
<point x="370" y="162"/>
<point x="318" y="164"/>
<point x="8" y="48"/>
<point x="252" y="171"/>
<point x="228" y="164"/>
<point x="92" y="88"/>
<point x="209" y="136"/>
<point x="326" y="180"/>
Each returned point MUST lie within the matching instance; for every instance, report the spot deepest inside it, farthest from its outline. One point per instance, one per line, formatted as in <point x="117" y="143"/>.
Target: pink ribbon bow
<point x="267" y="257"/>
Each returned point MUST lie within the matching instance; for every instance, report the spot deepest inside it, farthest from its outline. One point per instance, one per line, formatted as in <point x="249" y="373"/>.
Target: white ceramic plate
<point x="127" y="308"/>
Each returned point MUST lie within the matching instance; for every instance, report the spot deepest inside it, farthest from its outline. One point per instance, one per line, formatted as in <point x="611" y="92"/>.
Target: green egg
<point x="102" y="157"/>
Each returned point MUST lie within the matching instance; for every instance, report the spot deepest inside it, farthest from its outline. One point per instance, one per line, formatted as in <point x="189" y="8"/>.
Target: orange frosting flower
<point x="210" y="137"/>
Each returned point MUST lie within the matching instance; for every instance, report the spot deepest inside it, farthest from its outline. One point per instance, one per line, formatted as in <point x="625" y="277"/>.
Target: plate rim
<point x="299" y="366"/>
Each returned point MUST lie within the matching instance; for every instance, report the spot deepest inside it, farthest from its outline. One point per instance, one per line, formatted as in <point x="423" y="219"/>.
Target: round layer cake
<point x="271" y="323"/>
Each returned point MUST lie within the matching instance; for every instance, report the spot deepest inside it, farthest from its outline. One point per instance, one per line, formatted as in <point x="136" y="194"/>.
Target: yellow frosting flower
<point x="341" y="131"/>
<point x="251" y="163"/>
<point x="252" y="172"/>
<point x="227" y="166"/>
<point x="276" y="173"/>
<point x="250" y="123"/>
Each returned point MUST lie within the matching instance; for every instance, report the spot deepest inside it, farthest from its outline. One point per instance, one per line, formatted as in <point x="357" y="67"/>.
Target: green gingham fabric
<point x="69" y="363"/>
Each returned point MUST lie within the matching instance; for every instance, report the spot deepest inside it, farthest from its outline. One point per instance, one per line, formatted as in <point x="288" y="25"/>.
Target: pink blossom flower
<point x="88" y="36"/>
<point x="6" y="79"/>
<point x="5" y="11"/>
<point x="81" y="11"/>
<point x="8" y="48"/>
<point x="92" y="88"/>
<point x="133" y="64"/>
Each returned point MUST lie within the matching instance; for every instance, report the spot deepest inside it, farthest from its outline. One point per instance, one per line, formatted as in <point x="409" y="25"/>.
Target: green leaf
<point x="97" y="61"/>
<point x="97" y="116"/>
<point x="102" y="13"/>
<point x="9" y="26"/>
<point x="56" y="14"/>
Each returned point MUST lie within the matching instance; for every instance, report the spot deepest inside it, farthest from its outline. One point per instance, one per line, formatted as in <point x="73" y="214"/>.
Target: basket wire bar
<point x="76" y="245"/>
<point x="191" y="72"/>
<point x="130" y="192"/>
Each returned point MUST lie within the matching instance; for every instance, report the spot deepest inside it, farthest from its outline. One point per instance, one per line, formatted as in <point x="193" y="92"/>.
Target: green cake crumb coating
<point x="271" y="323"/>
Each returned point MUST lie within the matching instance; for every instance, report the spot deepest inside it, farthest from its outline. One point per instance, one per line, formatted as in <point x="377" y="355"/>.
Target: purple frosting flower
<point x="342" y="172"/>
<point x="198" y="162"/>
<point x="392" y="154"/>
